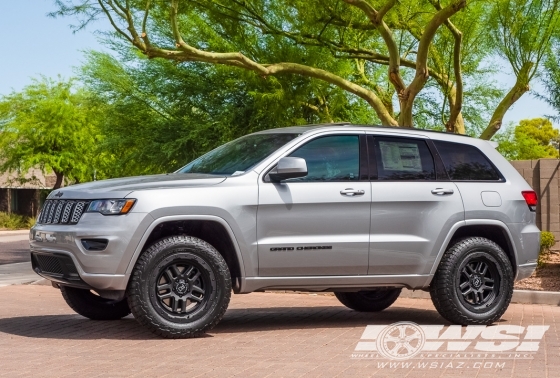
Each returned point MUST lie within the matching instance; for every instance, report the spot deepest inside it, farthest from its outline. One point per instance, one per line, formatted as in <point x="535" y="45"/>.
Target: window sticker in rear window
<point x="397" y="156"/>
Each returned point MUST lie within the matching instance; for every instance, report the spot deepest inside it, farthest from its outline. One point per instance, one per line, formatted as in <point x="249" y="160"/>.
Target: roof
<point x="308" y="128"/>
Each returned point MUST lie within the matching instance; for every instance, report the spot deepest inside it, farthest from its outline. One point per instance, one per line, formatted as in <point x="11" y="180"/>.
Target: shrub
<point x="547" y="241"/>
<point x="15" y="221"/>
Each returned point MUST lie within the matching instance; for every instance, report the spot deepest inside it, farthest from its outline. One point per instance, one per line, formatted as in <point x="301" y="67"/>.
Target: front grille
<point x="58" y="267"/>
<point x="49" y="264"/>
<point x="62" y="211"/>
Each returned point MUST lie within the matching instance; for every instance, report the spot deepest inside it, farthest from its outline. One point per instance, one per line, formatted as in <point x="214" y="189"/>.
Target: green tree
<point x="531" y="139"/>
<point x="49" y="125"/>
<point x="398" y="48"/>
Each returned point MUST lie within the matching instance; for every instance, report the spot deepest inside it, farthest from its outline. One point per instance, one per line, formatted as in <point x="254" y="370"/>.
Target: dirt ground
<point x="545" y="278"/>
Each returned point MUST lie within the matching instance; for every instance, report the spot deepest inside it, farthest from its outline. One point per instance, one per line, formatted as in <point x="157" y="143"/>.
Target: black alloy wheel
<point x="473" y="283"/>
<point x="181" y="288"/>
<point x="478" y="282"/>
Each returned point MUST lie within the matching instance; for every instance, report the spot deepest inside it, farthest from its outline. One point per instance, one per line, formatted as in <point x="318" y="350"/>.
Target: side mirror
<point x="287" y="168"/>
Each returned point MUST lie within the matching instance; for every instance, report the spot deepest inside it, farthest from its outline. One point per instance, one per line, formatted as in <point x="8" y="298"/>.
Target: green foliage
<point x="348" y="40"/>
<point x="15" y="221"/>
<point x="51" y="126"/>
<point x="547" y="241"/>
<point x="531" y="139"/>
<point x="158" y="115"/>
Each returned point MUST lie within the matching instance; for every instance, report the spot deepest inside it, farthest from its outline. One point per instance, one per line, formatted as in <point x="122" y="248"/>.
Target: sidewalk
<point x="17" y="274"/>
<point x="12" y="236"/>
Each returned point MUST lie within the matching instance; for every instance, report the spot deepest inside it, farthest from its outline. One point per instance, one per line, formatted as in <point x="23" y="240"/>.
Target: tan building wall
<point x="544" y="176"/>
<point x="23" y="196"/>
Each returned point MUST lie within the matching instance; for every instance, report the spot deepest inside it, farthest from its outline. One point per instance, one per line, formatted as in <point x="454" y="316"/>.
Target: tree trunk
<point x="405" y="116"/>
<point x="519" y="89"/>
<point x="59" y="177"/>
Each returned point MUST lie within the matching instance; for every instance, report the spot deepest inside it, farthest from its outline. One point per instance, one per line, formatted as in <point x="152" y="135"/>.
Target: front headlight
<point x="111" y="206"/>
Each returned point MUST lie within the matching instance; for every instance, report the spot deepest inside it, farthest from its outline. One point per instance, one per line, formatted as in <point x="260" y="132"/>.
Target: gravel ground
<point x="546" y="278"/>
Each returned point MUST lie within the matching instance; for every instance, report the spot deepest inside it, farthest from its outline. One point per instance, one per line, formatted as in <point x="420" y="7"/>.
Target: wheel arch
<point x="494" y="230"/>
<point x="212" y="229"/>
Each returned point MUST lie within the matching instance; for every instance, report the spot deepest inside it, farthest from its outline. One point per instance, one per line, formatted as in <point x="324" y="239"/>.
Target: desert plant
<point x="12" y="221"/>
<point x="547" y="242"/>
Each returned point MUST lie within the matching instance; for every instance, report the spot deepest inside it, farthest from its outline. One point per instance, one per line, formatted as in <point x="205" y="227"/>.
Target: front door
<point x="413" y="207"/>
<point x="317" y="224"/>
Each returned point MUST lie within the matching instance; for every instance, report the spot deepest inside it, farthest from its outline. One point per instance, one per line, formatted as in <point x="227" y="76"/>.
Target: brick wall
<point x="544" y="176"/>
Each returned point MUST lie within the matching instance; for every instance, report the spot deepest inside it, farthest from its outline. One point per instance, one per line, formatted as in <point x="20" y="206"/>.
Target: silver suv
<point x="358" y="211"/>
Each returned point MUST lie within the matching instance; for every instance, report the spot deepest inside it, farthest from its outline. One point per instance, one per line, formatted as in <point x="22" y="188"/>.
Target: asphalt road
<point x="14" y="252"/>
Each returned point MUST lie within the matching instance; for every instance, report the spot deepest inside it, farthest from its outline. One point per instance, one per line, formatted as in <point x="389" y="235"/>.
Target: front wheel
<point x="473" y="283"/>
<point x="369" y="300"/>
<point x="92" y="306"/>
<point x="180" y="287"/>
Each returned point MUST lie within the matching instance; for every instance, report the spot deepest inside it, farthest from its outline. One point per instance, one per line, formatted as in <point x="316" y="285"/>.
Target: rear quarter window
<point x="466" y="163"/>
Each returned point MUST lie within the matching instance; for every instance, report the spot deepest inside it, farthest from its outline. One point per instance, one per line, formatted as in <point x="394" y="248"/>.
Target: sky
<point x="34" y="44"/>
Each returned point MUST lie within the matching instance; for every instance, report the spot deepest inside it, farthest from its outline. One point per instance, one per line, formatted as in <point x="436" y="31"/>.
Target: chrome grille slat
<point x="45" y="212"/>
<point x="66" y="212"/>
<point x="62" y="211"/>
<point x="57" y="212"/>
<point x="51" y="211"/>
<point x="78" y="211"/>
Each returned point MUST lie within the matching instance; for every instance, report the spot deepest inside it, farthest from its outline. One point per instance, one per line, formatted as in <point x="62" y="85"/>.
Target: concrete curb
<point x="519" y="296"/>
<point x="13" y="232"/>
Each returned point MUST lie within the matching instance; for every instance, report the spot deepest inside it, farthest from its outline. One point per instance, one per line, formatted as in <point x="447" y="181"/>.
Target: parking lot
<point x="262" y="334"/>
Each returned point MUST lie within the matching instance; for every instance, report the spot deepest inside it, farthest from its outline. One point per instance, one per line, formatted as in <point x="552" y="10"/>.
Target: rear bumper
<point x="525" y="270"/>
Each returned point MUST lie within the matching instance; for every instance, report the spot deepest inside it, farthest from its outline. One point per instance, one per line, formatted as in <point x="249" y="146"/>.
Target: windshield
<point x="238" y="156"/>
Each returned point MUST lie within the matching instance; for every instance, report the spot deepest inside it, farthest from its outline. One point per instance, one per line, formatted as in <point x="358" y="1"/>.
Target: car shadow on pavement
<point x="235" y="321"/>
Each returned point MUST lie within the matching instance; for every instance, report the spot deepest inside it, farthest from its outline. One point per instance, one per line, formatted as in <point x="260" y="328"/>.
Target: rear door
<point x="482" y="187"/>
<point x="318" y="224"/>
<point x="413" y="207"/>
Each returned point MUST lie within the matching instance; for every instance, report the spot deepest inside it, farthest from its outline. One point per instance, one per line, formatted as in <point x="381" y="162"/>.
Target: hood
<point x="121" y="187"/>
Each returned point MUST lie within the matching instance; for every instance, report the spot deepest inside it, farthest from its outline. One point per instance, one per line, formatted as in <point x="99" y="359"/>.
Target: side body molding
<point x="172" y="218"/>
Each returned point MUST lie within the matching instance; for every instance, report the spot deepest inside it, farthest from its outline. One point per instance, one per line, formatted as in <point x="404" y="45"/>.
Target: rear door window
<point x="466" y="163"/>
<point x="403" y="159"/>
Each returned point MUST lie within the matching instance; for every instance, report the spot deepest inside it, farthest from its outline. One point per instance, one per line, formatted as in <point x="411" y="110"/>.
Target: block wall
<point x="544" y="177"/>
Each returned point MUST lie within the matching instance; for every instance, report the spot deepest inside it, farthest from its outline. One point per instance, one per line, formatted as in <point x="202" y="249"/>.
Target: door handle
<point x="442" y="191"/>
<point x="352" y="192"/>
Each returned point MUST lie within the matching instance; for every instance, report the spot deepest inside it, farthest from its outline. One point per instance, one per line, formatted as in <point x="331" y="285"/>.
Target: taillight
<point x="531" y="199"/>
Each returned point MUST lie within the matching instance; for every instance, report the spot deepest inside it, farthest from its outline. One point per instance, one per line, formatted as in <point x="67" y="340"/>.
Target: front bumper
<point x="103" y="270"/>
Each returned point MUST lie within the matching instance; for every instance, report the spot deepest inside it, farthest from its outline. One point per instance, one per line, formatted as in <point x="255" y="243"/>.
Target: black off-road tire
<point x="92" y="306"/>
<point x="481" y="305"/>
<point x="206" y="287"/>
<point x="369" y="300"/>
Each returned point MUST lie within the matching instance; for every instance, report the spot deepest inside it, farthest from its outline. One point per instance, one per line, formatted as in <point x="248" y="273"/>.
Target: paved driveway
<point x="266" y="334"/>
<point x="14" y="247"/>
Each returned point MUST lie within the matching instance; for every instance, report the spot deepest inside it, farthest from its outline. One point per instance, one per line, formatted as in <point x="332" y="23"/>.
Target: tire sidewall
<point x="200" y="254"/>
<point x="495" y="256"/>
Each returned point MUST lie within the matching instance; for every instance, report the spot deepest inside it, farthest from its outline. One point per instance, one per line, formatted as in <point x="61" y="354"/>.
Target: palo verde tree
<point x="156" y="115"/>
<point x="48" y="125"/>
<point x="398" y="47"/>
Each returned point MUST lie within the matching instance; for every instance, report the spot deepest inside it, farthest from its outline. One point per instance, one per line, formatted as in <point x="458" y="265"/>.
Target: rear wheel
<point x="180" y="287"/>
<point x="92" y="306"/>
<point x="369" y="300"/>
<point x="474" y="282"/>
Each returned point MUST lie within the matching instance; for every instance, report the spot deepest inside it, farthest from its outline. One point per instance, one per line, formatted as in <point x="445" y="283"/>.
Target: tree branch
<point x="422" y="72"/>
<point x="108" y="14"/>
<point x="376" y="19"/>
<point x="519" y="89"/>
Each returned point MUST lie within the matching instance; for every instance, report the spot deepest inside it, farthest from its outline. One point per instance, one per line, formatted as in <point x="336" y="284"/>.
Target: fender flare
<point x="172" y="218"/>
<point x="471" y="222"/>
